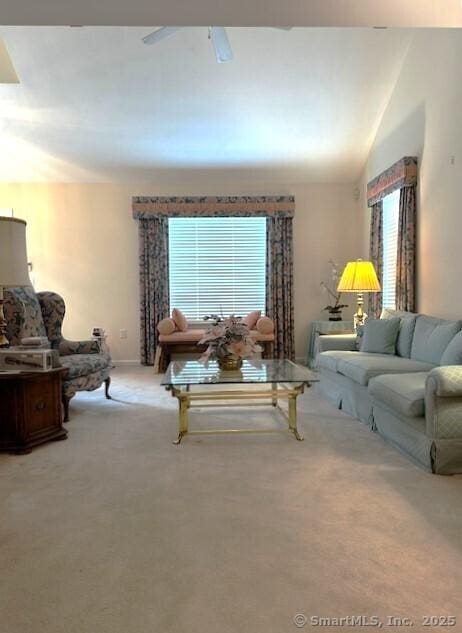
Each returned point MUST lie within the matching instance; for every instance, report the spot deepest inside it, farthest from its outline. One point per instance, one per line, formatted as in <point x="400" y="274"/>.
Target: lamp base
<point x="360" y="316"/>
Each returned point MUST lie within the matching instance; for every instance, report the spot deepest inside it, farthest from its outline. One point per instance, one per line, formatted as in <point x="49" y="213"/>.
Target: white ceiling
<point x="404" y="13"/>
<point x="95" y="104"/>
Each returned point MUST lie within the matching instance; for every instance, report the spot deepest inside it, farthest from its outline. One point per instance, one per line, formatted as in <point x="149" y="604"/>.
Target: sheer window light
<point x="390" y="248"/>
<point x="217" y="265"/>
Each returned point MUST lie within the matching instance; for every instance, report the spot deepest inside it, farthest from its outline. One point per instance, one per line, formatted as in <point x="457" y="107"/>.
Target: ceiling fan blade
<point x="282" y="28"/>
<point x="160" y="34"/>
<point x="221" y="44"/>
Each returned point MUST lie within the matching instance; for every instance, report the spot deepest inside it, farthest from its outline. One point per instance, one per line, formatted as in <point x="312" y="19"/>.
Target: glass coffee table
<point x="194" y="384"/>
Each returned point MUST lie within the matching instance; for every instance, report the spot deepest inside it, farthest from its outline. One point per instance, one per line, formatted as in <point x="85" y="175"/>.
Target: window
<point x="217" y="265"/>
<point x="390" y="248"/>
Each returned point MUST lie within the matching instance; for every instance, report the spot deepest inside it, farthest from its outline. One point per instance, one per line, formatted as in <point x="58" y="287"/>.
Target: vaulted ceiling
<point x="402" y="13"/>
<point x="95" y="104"/>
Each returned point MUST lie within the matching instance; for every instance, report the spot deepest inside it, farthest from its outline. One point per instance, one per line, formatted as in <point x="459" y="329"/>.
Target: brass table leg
<point x="293" y="416"/>
<point x="187" y="398"/>
<point x="274" y="394"/>
<point x="183" y="402"/>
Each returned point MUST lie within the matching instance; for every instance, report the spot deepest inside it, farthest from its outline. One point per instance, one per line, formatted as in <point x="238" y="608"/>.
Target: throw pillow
<point x="406" y="329"/>
<point x="431" y="338"/>
<point x="380" y="336"/>
<point x="166" y="326"/>
<point x="180" y="320"/>
<point x="453" y="352"/>
<point x="265" y="325"/>
<point x="251" y="319"/>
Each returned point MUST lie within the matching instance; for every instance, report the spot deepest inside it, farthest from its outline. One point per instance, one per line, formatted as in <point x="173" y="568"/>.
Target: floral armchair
<point x="42" y="314"/>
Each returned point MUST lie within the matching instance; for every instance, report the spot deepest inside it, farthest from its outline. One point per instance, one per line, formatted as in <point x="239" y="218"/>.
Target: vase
<point x="229" y="363"/>
<point x="335" y="314"/>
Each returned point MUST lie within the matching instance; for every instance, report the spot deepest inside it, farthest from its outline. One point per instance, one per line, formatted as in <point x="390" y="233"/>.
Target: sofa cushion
<point x="405" y="336"/>
<point x="404" y="393"/>
<point x="431" y="338"/>
<point x="453" y="352"/>
<point x="194" y="336"/>
<point x="389" y="313"/>
<point x="379" y="336"/>
<point x="361" y="367"/>
<point x="406" y="329"/>
<point x="190" y="336"/>
<point x="83" y="364"/>
<point x="329" y="359"/>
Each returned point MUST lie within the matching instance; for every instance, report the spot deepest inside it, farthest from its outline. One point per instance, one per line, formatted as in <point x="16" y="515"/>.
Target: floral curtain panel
<point x="403" y="176"/>
<point x="153" y="213"/>
<point x="279" y="284"/>
<point x="406" y="259"/>
<point x="376" y="257"/>
<point x="154" y="291"/>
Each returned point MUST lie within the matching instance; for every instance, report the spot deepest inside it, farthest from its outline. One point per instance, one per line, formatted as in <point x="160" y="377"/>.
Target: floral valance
<point x="401" y="174"/>
<point x="207" y="206"/>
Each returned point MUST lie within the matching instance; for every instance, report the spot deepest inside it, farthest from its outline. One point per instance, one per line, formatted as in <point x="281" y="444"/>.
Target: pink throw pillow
<point x="265" y="325"/>
<point x="166" y="326"/>
<point x="180" y="320"/>
<point x="251" y="319"/>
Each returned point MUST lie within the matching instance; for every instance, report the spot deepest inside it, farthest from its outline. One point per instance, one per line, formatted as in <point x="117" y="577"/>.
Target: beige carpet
<point x="118" y="531"/>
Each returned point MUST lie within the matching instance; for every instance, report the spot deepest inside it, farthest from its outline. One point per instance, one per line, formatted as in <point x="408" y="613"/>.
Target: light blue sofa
<point x="413" y="398"/>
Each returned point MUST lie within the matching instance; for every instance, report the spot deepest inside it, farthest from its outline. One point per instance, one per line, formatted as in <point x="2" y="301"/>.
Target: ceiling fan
<point x="217" y="35"/>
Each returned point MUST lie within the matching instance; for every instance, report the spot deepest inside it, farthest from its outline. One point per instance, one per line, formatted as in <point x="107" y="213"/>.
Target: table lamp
<point x="13" y="263"/>
<point x="359" y="277"/>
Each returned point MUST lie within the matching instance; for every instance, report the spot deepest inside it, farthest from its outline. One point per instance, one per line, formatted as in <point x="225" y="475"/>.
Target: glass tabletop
<point x="193" y="372"/>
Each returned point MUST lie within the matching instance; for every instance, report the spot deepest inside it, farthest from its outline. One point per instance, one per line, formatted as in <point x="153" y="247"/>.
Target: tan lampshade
<point x="13" y="253"/>
<point x="359" y="276"/>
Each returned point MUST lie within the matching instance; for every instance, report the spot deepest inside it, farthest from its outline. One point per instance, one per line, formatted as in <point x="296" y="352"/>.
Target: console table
<point x="323" y="327"/>
<point x="30" y="409"/>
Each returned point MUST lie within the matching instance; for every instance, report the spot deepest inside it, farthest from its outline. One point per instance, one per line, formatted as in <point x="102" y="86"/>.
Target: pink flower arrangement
<point x="230" y="338"/>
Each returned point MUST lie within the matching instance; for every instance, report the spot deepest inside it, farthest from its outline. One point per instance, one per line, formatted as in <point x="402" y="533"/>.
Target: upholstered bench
<point x="186" y="342"/>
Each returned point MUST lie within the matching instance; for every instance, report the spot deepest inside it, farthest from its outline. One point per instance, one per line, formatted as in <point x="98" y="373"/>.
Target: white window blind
<point x="217" y="265"/>
<point x="390" y="248"/>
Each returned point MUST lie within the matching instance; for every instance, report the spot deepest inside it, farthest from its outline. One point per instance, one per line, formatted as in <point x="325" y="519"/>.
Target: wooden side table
<point x="30" y="409"/>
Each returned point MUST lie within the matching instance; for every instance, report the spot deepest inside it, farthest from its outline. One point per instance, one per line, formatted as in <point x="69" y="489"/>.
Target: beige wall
<point x="424" y="119"/>
<point x="83" y="244"/>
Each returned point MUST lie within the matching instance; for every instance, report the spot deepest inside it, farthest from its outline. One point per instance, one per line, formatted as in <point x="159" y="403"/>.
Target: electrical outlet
<point x="123" y="333"/>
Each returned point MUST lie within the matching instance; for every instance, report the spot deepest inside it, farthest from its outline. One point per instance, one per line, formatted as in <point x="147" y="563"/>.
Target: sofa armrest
<point x="79" y="347"/>
<point x="331" y="342"/>
<point x="443" y="402"/>
<point x="446" y="382"/>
